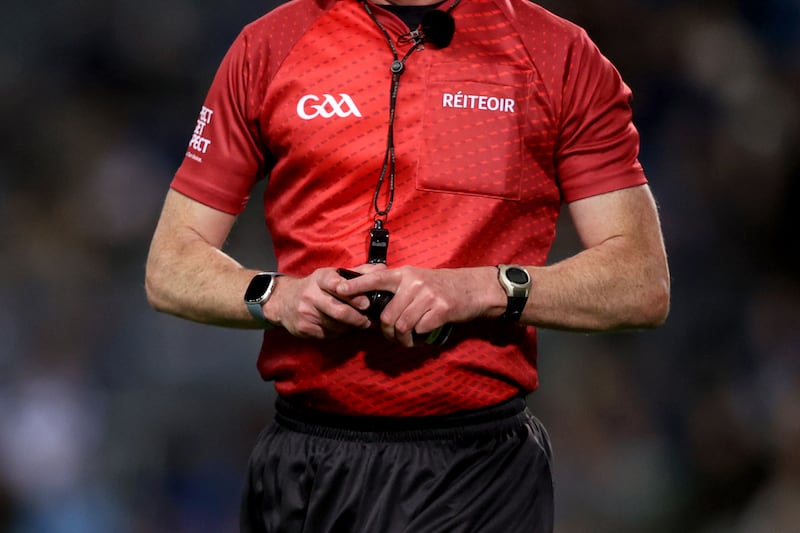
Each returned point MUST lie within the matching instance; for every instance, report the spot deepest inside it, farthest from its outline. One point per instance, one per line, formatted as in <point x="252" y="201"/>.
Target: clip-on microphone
<point x="437" y="28"/>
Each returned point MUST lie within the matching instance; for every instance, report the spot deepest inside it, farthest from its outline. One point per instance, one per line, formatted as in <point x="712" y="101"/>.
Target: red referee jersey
<point x="518" y="114"/>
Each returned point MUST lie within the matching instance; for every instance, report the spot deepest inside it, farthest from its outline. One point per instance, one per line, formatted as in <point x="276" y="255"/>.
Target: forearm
<point x="621" y="278"/>
<point x="188" y="275"/>
<point x="607" y="287"/>
<point x="199" y="282"/>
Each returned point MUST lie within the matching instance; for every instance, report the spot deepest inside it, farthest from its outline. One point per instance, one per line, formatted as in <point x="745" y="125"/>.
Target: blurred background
<point x="114" y="418"/>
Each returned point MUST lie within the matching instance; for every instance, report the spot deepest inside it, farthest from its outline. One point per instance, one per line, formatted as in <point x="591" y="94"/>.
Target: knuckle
<point x="304" y="329"/>
<point x="402" y="328"/>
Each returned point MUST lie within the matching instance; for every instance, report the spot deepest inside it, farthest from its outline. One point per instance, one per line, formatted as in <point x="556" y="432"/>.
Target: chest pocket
<point x="472" y="134"/>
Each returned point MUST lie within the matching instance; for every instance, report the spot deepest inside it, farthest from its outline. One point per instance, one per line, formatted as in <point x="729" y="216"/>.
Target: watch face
<point x="258" y="286"/>
<point x="517" y="275"/>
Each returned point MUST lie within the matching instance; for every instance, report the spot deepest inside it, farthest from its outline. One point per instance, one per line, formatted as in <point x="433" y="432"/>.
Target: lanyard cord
<point x="397" y="68"/>
<point x="389" y="160"/>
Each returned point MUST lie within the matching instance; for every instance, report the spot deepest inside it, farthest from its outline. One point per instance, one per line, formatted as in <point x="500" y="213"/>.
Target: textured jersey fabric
<point x="493" y="133"/>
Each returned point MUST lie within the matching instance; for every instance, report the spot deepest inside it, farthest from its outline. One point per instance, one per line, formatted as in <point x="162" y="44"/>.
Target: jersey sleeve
<point x="598" y="145"/>
<point x="225" y="156"/>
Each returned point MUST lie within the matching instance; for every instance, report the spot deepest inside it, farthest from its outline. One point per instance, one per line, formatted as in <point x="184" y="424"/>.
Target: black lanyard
<point x="379" y="234"/>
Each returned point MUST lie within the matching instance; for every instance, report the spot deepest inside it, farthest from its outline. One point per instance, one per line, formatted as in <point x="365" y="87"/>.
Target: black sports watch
<point x="517" y="283"/>
<point x="257" y="294"/>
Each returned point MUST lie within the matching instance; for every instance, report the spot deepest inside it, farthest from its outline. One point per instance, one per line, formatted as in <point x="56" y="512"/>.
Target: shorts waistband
<point x="508" y="415"/>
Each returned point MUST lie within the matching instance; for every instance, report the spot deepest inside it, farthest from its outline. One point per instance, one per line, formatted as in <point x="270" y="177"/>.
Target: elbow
<point x="152" y="295"/>
<point x="654" y="304"/>
<point x="153" y="289"/>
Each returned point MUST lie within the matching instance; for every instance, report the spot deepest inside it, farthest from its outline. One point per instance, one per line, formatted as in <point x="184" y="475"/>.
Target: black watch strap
<point x="516" y="281"/>
<point x="514" y="309"/>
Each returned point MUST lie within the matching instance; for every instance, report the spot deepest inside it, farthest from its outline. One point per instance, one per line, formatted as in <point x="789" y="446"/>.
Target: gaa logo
<point x="309" y="107"/>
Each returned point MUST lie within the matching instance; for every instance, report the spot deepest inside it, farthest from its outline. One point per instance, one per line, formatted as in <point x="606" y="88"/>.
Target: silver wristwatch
<point x="257" y="294"/>
<point x="516" y="281"/>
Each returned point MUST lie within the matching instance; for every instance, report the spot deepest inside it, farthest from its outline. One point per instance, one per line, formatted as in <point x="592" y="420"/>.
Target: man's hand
<point x="309" y="307"/>
<point x="425" y="299"/>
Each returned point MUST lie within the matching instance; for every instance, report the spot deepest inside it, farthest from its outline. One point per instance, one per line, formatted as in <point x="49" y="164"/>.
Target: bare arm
<point x="620" y="280"/>
<point x="188" y="275"/>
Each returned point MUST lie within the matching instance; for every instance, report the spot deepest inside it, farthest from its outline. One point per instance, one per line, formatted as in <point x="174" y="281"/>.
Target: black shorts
<point x="484" y="471"/>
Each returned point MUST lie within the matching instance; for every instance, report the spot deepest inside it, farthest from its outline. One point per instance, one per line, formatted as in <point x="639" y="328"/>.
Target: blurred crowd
<point x="114" y="418"/>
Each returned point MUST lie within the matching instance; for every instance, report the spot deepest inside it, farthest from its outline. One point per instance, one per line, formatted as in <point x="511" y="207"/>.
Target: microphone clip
<point x="437" y="28"/>
<point x="414" y="36"/>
